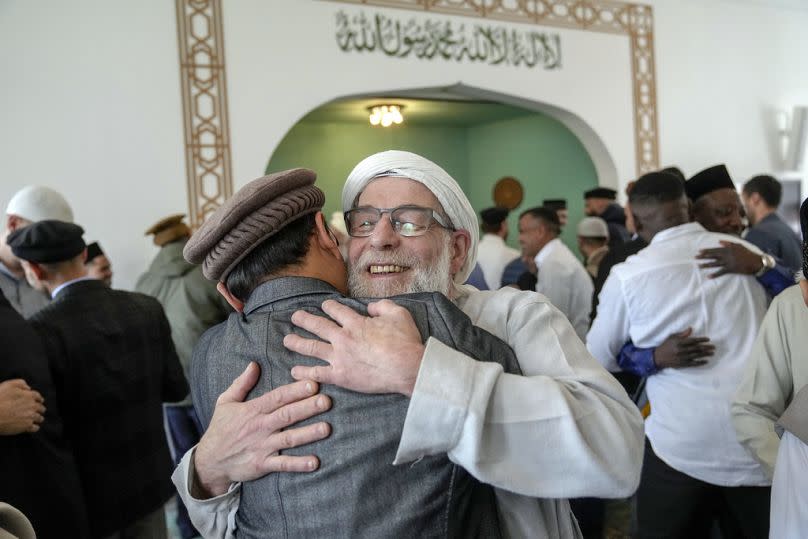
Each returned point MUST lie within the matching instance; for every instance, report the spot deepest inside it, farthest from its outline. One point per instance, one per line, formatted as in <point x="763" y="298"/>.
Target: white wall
<point x="90" y="99"/>
<point x="90" y="105"/>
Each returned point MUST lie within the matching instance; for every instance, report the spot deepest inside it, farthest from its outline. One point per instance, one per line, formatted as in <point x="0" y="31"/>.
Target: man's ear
<point x="804" y="290"/>
<point x="234" y="302"/>
<point x="461" y="243"/>
<point x="13" y="222"/>
<point x="324" y="237"/>
<point x="38" y="271"/>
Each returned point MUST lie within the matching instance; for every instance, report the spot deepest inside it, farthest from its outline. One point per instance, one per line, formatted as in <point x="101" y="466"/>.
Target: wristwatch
<point x="768" y="262"/>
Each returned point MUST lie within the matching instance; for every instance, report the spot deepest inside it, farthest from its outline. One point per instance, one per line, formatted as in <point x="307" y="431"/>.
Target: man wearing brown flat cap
<point x="537" y="438"/>
<point x="272" y="254"/>
<point x="113" y="365"/>
<point x="192" y="305"/>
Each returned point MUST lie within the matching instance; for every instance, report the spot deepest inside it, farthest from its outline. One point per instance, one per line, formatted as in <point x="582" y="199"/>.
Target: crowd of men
<point x="344" y="379"/>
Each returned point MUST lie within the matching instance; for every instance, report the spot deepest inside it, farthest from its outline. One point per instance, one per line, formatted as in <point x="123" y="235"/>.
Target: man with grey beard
<point x="563" y="429"/>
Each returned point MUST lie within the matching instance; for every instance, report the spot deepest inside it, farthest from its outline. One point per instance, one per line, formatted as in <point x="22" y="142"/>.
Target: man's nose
<point x="384" y="235"/>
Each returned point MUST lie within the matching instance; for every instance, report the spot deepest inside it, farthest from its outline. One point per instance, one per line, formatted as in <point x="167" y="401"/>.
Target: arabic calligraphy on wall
<point x="442" y="39"/>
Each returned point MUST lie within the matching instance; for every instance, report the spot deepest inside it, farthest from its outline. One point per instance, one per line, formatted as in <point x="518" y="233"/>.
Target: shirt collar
<point x="676" y="231"/>
<point x="546" y="250"/>
<point x="283" y="288"/>
<point x="68" y="283"/>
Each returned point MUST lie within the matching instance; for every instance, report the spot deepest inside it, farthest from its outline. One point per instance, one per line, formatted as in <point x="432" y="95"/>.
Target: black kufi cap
<point x="555" y="203"/>
<point x="708" y="180"/>
<point x="93" y="250"/>
<point x="494" y="216"/>
<point x="46" y="242"/>
<point x="601" y="192"/>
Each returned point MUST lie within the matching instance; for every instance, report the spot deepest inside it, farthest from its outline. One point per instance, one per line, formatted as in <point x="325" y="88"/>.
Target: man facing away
<point x="493" y="254"/>
<point x="563" y="429"/>
<point x="192" y="305"/>
<point x="694" y="467"/>
<point x="560" y="275"/>
<point x="602" y="202"/>
<point x="28" y="205"/>
<point x="272" y="254"/>
<point x="113" y="365"/>
<point x="761" y="197"/>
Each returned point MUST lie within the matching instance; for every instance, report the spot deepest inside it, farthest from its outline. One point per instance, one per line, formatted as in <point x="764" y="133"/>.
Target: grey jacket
<point x="356" y="492"/>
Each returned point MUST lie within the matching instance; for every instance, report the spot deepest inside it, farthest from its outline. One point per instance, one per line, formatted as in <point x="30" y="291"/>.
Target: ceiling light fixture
<point x="386" y="115"/>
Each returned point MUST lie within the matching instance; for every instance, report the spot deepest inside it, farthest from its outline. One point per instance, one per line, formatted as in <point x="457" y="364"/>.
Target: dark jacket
<point x="356" y="492"/>
<point x="113" y="365"/>
<point x="615" y="219"/>
<point x="38" y="475"/>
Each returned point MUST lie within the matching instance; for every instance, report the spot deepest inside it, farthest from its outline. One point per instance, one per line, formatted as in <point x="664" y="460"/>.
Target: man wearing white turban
<point x="28" y="205"/>
<point x="564" y="429"/>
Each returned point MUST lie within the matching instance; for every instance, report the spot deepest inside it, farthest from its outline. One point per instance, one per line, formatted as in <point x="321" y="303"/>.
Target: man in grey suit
<point x="272" y="254"/>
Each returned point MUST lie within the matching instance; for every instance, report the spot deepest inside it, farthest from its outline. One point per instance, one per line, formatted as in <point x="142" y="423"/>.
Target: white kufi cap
<point x="37" y="203"/>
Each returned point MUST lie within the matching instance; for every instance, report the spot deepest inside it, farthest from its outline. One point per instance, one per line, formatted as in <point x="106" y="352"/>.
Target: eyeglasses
<point x="408" y="221"/>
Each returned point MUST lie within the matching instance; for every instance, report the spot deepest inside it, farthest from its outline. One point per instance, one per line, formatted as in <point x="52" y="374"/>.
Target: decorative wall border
<point x="204" y="85"/>
<point x="204" y="103"/>
<point x="606" y="16"/>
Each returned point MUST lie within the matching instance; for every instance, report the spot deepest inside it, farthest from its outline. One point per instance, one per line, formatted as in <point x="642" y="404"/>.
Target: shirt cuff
<point x="638" y="361"/>
<point x="439" y="403"/>
<point x="184" y="479"/>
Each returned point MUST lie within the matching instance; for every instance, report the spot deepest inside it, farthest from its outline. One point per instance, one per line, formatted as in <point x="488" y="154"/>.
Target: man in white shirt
<point x="563" y="429"/>
<point x="493" y="254"/>
<point x="694" y="468"/>
<point x="561" y="276"/>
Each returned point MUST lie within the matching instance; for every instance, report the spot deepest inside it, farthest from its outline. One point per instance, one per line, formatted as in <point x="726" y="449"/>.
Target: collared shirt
<point x="492" y="256"/>
<point x="660" y="291"/>
<point x="68" y="283"/>
<point x="26" y="300"/>
<point x="565" y="282"/>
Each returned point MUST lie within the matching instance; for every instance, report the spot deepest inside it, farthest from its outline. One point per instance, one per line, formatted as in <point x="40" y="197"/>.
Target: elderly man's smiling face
<point x="386" y="263"/>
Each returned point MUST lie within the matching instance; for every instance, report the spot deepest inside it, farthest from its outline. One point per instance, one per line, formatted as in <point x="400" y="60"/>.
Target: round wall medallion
<point x="508" y="193"/>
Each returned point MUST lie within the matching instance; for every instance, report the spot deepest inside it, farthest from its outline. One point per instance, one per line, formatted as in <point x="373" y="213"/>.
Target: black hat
<point x="47" y="242"/>
<point x="804" y="223"/>
<point x="555" y="203"/>
<point x="494" y="216"/>
<point x="601" y="192"/>
<point x="708" y="180"/>
<point x="93" y="250"/>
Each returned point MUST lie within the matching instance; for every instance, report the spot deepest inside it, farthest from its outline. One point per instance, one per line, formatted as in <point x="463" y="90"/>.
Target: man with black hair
<point x="553" y="418"/>
<point x="493" y="254"/>
<point x="694" y="467"/>
<point x="272" y="254"/>
<point x="602" y="202"/>
<point x="560" y="275"/>
<point x="761" y="197"/>
<point x="558" y="205"/>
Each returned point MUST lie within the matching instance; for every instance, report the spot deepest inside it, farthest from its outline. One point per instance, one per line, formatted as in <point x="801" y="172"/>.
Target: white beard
<point x="422" y="278"/>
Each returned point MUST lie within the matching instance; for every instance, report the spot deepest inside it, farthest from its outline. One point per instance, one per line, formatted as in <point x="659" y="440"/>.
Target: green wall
<point x="538" y="150"/>
<point x="545" y="156"/>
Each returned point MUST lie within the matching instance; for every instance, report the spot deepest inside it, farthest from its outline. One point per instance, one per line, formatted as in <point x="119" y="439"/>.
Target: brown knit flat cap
<point x="256" y="212"/>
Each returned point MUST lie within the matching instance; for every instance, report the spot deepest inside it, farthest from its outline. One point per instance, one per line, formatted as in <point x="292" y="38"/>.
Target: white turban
<point x="36" y="203"/>
<point x="443" y="186"/>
